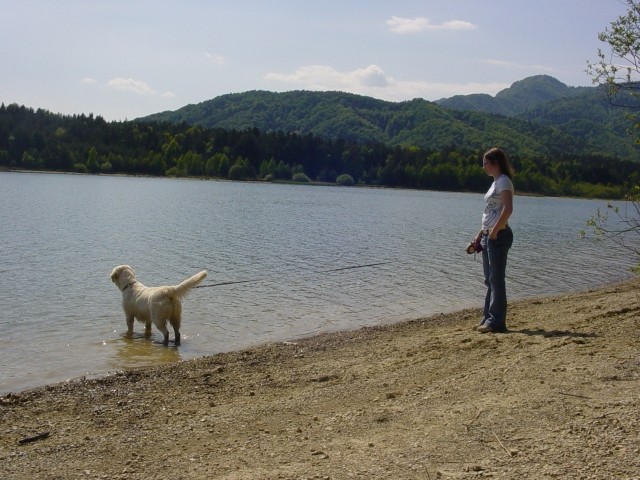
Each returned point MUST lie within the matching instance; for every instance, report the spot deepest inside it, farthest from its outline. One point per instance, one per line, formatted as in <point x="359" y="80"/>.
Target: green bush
<point x="345" y="180"/>
<point x="300" y="177"/>
<point x="173" y="172"/>
<point x="80" y="168"/>
<point x="239" y="172"/>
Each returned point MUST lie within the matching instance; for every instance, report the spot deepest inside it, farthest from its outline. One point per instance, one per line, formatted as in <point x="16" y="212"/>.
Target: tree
<point x="619" y="72"/>
<point x="92" y="160"/>
<point x="626" y="230"/>
<point x="241" y="170"/>
<point x="171" y="151"/>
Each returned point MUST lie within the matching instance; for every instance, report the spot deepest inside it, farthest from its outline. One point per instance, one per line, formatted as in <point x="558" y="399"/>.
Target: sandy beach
<point x="556" y="397"/>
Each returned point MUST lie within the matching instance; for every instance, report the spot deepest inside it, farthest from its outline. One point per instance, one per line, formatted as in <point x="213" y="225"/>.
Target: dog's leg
<point x="147" y="329"/>
<point x="176" y="320"/>
<point x="158" y="316"/>
<point x="130" y="319"/>
<point x="162" y="326"/>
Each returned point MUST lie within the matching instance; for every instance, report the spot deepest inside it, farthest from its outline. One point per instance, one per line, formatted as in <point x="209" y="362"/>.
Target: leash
<point x="353" y="267"/>
<point x="319" y="272"/>
<point x="229" y="283"/>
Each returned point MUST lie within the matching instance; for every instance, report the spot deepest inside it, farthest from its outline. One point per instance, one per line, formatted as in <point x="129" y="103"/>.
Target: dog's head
<point x="123" y="276"/>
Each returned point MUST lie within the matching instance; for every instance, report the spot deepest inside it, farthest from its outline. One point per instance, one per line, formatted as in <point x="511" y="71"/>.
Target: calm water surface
<point x="294" y="247"/>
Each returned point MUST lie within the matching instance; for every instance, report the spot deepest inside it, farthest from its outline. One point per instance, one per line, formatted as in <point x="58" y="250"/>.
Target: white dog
<point x="153" y="304"/>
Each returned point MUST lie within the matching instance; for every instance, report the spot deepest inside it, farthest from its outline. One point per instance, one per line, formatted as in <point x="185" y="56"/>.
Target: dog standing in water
<point x="153" y="304"/>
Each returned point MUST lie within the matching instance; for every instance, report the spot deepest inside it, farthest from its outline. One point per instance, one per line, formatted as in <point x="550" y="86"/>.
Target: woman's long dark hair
<point x="496" y="155"/>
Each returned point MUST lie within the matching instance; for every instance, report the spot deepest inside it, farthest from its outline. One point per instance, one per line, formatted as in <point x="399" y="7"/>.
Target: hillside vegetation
<point x="535" y="116"/>
<point x="561" y="140"/>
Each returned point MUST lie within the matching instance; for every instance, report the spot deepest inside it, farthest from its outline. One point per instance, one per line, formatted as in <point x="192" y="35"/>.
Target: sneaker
<point x="478" y="325"/>
<point x="485" y="328"/>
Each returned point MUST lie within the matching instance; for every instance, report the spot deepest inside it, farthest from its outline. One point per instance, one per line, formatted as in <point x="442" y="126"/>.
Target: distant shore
<point x="557" y="397"/>
<point x="284" y="182"/>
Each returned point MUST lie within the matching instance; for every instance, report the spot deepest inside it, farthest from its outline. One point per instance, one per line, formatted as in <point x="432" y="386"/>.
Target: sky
<point x="124" y="59"/>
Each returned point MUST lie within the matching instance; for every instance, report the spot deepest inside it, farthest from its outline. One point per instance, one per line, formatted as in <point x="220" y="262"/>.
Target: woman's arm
<point x="507" y="210"/>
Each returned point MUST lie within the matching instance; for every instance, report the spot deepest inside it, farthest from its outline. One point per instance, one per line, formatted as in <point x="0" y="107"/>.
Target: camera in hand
<point x="474" y="247"/>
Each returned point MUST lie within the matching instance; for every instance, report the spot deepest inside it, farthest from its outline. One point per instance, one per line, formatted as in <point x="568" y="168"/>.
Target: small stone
<point x="475" y="468"/>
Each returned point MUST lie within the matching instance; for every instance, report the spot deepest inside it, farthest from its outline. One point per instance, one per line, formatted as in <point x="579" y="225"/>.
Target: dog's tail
<point x="183" y="288"/>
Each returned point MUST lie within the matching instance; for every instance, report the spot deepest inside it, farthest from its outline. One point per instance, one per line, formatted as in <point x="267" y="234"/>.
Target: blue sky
<point x="123" y="59"/>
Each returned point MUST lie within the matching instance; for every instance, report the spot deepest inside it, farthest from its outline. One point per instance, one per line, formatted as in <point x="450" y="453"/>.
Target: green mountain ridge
<point x="543" y="156"/>
<point x="518" y="98"/>
<point x="538" y="115"/>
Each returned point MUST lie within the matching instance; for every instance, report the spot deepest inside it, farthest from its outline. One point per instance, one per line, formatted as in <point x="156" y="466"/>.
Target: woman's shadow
<point x="541" y="332"/>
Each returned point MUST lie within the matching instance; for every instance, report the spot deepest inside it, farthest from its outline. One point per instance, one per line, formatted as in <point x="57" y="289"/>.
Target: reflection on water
<point x="295" y="247"/>
<point x="138" y="351"/>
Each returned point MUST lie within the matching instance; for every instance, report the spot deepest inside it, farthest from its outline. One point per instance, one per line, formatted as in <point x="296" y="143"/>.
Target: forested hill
<point x="521" y="97"/>
<point x="535" y="116"/>
<point x="561" y="140"/>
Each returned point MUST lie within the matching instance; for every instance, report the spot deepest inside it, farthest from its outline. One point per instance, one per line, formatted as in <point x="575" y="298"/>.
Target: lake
<point x="284" y="262"/>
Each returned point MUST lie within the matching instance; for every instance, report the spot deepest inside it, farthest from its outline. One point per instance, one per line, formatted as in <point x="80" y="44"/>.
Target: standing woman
<point x="496" y="239"/>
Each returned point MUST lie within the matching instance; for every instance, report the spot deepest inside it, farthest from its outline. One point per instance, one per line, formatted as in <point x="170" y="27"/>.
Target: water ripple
<point x="312" y="259"/>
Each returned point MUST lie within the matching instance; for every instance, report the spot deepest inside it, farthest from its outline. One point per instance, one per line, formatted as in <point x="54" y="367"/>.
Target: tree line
<point x="40" y="140"/>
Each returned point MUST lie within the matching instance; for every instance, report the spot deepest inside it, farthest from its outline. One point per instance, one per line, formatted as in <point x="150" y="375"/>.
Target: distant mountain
<point x="516" y="99"/>
<point x="535" y="116"/>
<point x="583" y="113"/>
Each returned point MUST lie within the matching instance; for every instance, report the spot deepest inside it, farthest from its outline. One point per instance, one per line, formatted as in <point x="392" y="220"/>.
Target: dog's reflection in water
<point x="140" y="351"/>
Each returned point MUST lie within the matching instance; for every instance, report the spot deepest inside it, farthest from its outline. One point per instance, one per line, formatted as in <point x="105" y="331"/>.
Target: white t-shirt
<point x="493" y="201"/>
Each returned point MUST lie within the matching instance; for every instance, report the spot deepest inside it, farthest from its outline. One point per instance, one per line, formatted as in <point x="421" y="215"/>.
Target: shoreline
<point x="325" y="336"/>
<point x="427" y="398"/>
<point x="290" y="182"/>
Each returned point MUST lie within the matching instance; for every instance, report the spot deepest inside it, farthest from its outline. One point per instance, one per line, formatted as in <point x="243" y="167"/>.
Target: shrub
<point x="300" y="177"/>
<point x="238" y="172"/>
<point x="345" y="180"/>
<point x="80" y="168"/>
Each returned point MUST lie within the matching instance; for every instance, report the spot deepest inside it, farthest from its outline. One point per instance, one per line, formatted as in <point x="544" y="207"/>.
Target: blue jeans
<point x="494" y="264"/>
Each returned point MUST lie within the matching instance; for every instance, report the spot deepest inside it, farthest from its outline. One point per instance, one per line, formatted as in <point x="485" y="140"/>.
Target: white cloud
<point x="372" y="76"/>
<point x="407" y="25"/>
<point x="131" y="85"/>
<point x="168" y="95"/>
<point x="217" y="59"/>
<point x="414" y="25"/>
<point x="374" y="82"/>
<point x="518" y="66"/>
<point x="89" y="81"/>
<point x="455" y="25"/>
<point x="322" y="77"/>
